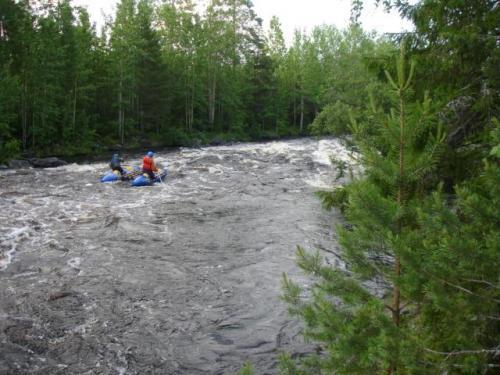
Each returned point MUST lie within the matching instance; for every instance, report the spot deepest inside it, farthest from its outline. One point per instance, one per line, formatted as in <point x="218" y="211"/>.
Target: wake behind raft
<point x="135" y="175"/>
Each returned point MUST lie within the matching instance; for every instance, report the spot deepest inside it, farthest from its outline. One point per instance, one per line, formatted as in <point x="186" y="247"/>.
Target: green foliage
<point x="174" y="136"/>
<point x="456" y="49"/>
<point x="357" y="334"/>
<point x="9" y="145"/>
<point x="350" y="79"/>
<point x="9" y="149"/>
<point x="333" y="120"/>
<point x="458" y="269"/>
<point x="337" y="198"/>
<point x="158" y="68"/>
<point x="440" y="255"/>
<point x="247" y="369"/>
<point x="495" y="137"/>
<point x="360" y="332"/>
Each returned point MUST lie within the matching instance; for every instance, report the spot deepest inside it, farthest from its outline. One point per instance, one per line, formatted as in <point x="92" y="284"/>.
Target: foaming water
<point x="182" y="277"/>
<point x="9" y="244"/>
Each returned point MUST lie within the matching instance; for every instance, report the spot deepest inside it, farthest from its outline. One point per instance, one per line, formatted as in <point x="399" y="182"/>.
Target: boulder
<point x="19" y="164"/>
<point x="196" y="143"/>
<point x="217" y="142"/>
<point x="47" y="162"/>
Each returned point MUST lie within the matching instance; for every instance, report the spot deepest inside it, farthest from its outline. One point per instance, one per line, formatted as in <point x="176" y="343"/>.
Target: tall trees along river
<point x="166" y="73"/>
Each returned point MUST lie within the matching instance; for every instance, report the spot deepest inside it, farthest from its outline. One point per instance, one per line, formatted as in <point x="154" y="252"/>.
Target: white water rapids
<point x="181" y="277"/>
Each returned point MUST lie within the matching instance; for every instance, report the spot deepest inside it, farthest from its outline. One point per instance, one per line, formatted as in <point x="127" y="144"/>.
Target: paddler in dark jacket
<point x="115" y="164"/>
<point x="148" y="165"/>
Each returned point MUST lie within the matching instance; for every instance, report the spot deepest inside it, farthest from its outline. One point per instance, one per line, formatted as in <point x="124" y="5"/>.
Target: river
<point x="182" y="277"/>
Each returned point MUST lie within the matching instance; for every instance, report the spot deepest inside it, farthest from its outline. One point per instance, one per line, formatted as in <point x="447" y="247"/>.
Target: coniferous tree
<point x="125" y="57"/>
<point x="179" y="28"/>
<point x="151" y="79"/>
<point x="456" y="46"/>
<point x="459" y="298"/>
<point x="9" y="84"/>
<point x="277" y="52"/>
<point x="9" y="145"/>
<point x="361" y="332"/>
<point x="83" y="117"/>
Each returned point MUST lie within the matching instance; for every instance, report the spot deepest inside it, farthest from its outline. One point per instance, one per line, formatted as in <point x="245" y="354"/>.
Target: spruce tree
<point x="362" y="332"/>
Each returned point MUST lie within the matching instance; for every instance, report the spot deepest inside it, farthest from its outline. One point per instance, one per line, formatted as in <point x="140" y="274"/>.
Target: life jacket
<point x="115" y="162"/>
<point x="148" y="164"/>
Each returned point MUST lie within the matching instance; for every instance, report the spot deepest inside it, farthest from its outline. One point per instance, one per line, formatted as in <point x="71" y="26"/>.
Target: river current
<point x="183" y="277"/>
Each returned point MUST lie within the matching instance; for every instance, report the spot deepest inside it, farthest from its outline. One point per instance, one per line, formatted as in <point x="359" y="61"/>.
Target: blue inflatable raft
<point x="130" y="174"/>
<point x="111" y="177"/>
<point x="144" y="180"/>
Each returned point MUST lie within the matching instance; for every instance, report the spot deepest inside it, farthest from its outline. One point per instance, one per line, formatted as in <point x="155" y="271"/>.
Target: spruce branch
<point x="391" y="80"/>
<point x="410" y="76"/>
<point x="465" y="290"/>
<point x="495" y="352"/>
<point x="483" y="282"/>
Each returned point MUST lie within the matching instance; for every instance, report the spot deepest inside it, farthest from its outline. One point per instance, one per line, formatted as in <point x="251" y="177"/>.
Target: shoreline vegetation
<point x="169" y="74"/>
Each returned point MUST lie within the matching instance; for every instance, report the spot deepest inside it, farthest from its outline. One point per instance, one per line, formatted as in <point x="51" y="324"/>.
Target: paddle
<point x="159" y="172"/>
<point x="159" y="175"/>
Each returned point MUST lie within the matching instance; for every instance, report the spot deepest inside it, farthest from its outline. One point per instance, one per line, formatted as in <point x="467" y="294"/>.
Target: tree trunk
<point x="235" y="41"/>
<point x="400" y="199"/>
<point x="301" y="113"/>
<point x="121" y="114"/>
<point x="211" y="102"/>
<point x="140" y="112"/>
<point x="33" y="130"/>
<point x="24" y="114"/>
<point x="396" y="293"/>
<point x="186" y="108"/>
<point x="191" y="107"/>
<point x="74" y="107"/>
<point x="189" y="96"/>
<point x="294" y="111"/>
<point x="221" y="116"/>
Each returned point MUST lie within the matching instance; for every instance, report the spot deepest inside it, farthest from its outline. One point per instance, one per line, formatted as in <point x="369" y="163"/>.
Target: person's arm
<point x="153" y="166"/>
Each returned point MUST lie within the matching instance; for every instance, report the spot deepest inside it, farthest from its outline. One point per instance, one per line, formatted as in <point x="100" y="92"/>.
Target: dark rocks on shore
<point x="19" y="164"/>
<point x="50" y="162"/>
<point x="217" y="142"/>
<point x="197" y="143"/>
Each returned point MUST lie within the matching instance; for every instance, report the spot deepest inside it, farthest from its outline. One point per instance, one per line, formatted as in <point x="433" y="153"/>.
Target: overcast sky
<point x="302" y="14"/>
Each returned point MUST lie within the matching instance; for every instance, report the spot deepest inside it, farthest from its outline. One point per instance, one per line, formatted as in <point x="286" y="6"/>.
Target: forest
<point x="169" y="73"/>
<point x="420" y="108"/>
